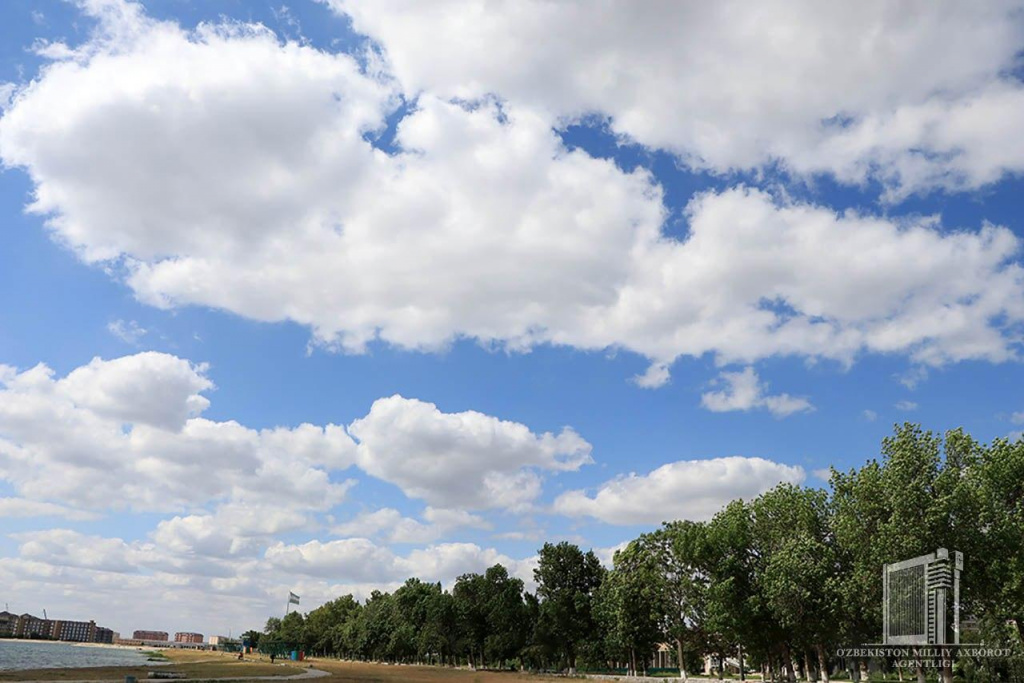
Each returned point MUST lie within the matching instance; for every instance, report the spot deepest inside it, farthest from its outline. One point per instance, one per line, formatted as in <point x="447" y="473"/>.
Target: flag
<point x="293" y="599"/>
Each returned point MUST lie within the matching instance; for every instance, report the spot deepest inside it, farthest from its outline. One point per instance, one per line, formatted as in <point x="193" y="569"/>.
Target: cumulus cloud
<point x="394" y="527"/>
<point x="656" y="375"/>
<point x="918" y="98"/>
<point x="361" y="560"/>
<point x="745" y="391"/>
<point x="269" y="201"/>
<point x="66" y="548"/>
<point x="22" y="507"/>
<point x="467" y="460"/>
<point x="83" y="575"/>
<point x="153" y="389"/>
<point x="126" y="434"/>
<point x="906" y="405"/>
<point x="687" y="489"/>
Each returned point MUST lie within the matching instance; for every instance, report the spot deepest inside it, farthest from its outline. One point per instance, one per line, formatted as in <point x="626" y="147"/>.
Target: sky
<point x="318" y="296"/>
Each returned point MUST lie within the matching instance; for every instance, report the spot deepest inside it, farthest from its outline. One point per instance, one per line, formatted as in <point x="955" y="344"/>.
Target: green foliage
<point x="567" y="579"/>
<point x="787" y="577"/>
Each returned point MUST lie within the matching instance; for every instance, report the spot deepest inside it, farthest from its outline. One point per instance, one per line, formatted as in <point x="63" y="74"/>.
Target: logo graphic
<point x="916" y="600"/>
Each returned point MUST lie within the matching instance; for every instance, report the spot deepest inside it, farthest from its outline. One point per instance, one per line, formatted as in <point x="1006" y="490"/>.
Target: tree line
<point x="775" y="584"/>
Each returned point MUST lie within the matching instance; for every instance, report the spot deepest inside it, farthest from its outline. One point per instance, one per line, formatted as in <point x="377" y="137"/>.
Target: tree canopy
<point x="777" y="582"/>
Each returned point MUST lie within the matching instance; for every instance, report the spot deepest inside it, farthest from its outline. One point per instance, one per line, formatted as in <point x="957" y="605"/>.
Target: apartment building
<point x="73" y="631"/>
<point x="29" y="626"/>
<point x="8" y="621"/>
<point x="186" y="637"/>
<point x="150" y="635"/>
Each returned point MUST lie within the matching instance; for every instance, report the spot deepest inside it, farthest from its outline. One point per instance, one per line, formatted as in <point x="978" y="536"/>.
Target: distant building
<point x="8" y="621"/>
<point x="73" y="631"/>
<point x="28" y="626"/>
<point x="185" y="637"/>
<point x="103" y="635"/>
<point x="150" y="635"/>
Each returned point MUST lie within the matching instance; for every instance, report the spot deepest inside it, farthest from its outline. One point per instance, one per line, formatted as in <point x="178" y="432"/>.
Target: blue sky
<point x="294" y="212"/>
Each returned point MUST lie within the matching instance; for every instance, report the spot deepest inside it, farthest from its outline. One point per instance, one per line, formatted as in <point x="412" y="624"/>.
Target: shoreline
<point x="42" y="641"/>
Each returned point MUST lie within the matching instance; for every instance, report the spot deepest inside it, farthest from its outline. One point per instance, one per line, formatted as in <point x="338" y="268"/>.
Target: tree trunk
<point x="864" y="673"/>
<point x="807" y="667"/>
<point x="947" y="666"/>
<point x="632" y="662"/>
<point x="743" y="676"/>
<point x="682" y="663"/>
<point x="921" y="678"/>
<point x="1019" y="621"/>
<point x="822" y="663"/>
<point x="787" y="661"/>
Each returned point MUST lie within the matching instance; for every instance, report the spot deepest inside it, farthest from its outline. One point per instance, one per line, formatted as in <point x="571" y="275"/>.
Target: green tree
<point x="505" y="614"/>
<point x="998" y="481"/>
<point x="679" y="546"/>
<point x="631" y="602"/>
<point x="567" y="579"/>
<point x="252" y="637"/>
<point x="797" y="565"/>
<point x="470" y="598"/>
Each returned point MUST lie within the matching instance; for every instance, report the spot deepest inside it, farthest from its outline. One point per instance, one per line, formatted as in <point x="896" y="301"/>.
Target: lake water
<point x="18" y="654"/>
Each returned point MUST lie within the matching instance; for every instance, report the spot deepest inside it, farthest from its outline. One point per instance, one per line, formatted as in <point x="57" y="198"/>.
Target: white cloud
<point x="1017" y="418"/>
<point x="23" y="507"/>
<point x="607" y="555"/>
<point x="466" y="460"/>
<point x="451" y="237"/>
<point x="232" y="530"/>
<point x="1015" y="436"/>
<point x="360" y="560"/>
<point x="396" y="528"/>
<point x="656" y="375"/>
<point x="906" y="405"/>
<point x="913" y="377"/>
<point x="869" y="415"/>
<point x="918" y="98"/>
<point x="688" y="489"/>
<point x="744" y="391"/>
<point x="66" y="548"/>
<point x="129" y="332"/>
<point x="150" y="388"/>
<point x="126" y="433"/>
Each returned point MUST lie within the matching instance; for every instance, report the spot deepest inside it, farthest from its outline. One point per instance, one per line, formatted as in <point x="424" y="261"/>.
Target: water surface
<point x="20" y="654"/>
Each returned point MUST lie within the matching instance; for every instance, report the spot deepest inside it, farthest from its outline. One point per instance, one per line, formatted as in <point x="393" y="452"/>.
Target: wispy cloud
<point x="129" y="332"/>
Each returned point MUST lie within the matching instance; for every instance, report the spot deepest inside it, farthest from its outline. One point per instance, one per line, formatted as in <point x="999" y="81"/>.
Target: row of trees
<point x="777" y="583"/>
